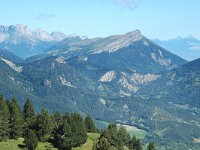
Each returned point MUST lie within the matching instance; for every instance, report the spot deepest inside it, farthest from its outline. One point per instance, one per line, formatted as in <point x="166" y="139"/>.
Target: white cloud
<point x="43" y="16"/>
<point x="131" y="4"/>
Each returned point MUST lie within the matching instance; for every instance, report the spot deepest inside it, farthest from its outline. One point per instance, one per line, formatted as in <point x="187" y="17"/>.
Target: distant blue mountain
<point x="187" y="48"/>
<point x="23" y="42"/>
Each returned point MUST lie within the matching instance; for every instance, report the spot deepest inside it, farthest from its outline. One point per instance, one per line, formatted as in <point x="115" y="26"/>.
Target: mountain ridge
<point x="23" y="42"/>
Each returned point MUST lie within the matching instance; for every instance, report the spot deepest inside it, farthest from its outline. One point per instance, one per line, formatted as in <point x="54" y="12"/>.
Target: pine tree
<point x="16" y="120"/>
<point x="103" y="144"/>
<point x="70" y="131"/>
<point x="151" y="146"/>
<point x="43" y="125"/>
<point x="90" y="124"/>
<point x="135" y="144"/>
<point x="117" y="138"/>
<point x="4" y="120"/>
<point x="30" y="139"/>
<point x="123" y="137"/>
<point x="69" y="118"/>
<point x="111" y="134"/>
<point x="79" y="131"/>
<point x="63" y="135"/>
<point x="58" y="118"/>
<point x="28" y="114"/>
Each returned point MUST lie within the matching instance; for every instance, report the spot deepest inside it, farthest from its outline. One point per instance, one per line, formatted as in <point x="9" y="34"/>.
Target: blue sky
<point x="162" y="19"/>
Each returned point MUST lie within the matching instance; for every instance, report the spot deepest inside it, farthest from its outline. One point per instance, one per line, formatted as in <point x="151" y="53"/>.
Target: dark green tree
<point x="111" y="135"/>
<point x="69" y="118"/>
<point x="4" y="120"/>
<point x="43" y="126"/>
<point x="16" y="120"/>
<point x="30" y="139"/>
<point x="151" y="146"/>
<point x="28" y="114"/>
<point x="117" y="138"/>
<point x="79" y="131"/>
<point x="135" y="144"/>
<point x="123" y="137"/>
<point x="63" y="135"/>
<point x="58" y="118"/>
<point x="90" y="126"/>
<point x="70" y="131"/>
<point x="103" y="144"/>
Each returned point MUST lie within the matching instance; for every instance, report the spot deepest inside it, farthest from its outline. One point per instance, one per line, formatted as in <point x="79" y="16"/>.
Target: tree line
<point x="119" y="139"/>
<point x="63" y="131"/>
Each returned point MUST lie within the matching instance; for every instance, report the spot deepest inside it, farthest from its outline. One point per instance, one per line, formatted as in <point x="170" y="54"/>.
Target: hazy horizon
<point x="163" y="20"/>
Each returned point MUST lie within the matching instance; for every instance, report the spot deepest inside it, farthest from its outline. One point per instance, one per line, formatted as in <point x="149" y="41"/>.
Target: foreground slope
<point x="19" y="144"/>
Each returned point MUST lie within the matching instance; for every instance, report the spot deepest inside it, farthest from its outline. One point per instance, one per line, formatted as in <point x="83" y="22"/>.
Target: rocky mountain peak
<point x="120" y="41"/>
<point x="19" y="29"/>
<point x="3" y="29"/>
<point x="58" y="35"/>
<point x="135" y="33"/>
<point x="42" y="35"/>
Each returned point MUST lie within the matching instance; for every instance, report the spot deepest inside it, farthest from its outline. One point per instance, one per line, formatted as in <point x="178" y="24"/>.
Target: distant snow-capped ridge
<point x="19" y="30"/>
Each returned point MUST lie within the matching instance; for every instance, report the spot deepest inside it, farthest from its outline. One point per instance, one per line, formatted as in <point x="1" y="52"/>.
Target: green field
<point x="45" y="146"/>
<point x="18" y="144"/>
<point x="132" y="130"/>
<point x="90" y="142"/>
<point x="12" y="144"/>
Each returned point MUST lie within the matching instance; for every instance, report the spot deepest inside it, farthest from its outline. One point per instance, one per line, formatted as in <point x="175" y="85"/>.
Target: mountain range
<point x="24" y="42"/>
<point x="121" y="78"/>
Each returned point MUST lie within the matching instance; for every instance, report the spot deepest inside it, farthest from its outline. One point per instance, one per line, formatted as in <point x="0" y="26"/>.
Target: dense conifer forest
<point x="63" y="131"/>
